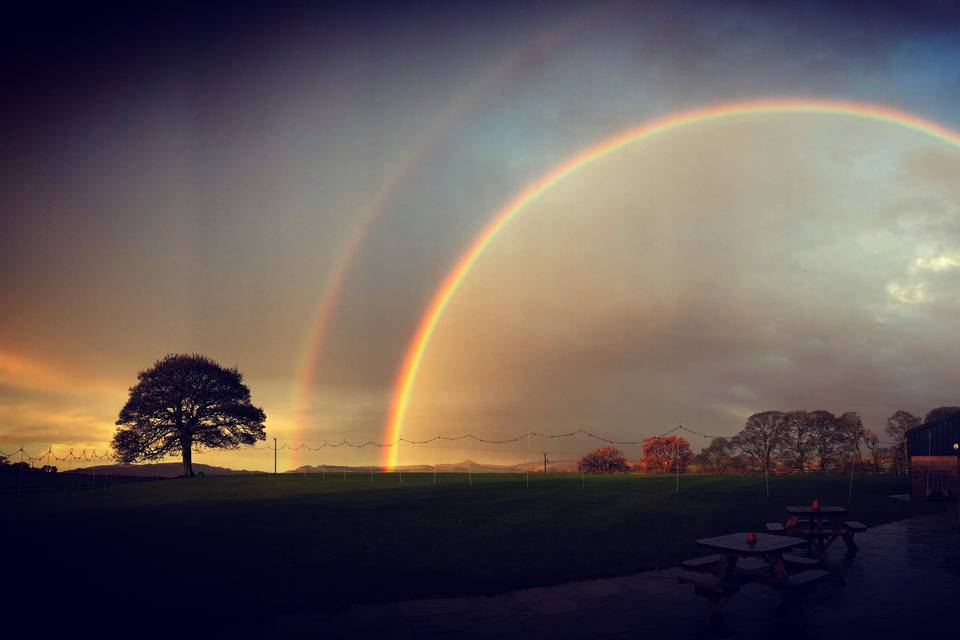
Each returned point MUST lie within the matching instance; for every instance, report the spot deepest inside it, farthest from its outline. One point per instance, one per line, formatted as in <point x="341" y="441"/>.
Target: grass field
<point x="273" y="545"/>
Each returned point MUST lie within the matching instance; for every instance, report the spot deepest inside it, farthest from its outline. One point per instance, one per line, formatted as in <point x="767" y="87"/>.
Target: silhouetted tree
<point x="603" y="460"/>
<point x="897" y="426"/>
<point x="762" y="435"/>
<point x="797" y="442"/>
<point x="183" y="401"/>
<point x="717" y="457"/>
<point x="940" y="413"/>
<point x="850" y="434"/>
<point x="661" y="454"/>
<point x="823" y="431"/>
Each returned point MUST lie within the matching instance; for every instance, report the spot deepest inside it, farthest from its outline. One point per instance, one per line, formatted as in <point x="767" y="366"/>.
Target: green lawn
<point x="293" y="543"/>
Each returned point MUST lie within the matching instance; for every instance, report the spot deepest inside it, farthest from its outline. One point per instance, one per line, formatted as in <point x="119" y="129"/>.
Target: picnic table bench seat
<point x="797" y="521"/>
<point x="796" y="587"/>
<point x="703" y="563"/>
<point x="799" y="560"/>
<point x="708" y="582"/>
<point x="803" y="580"/>
<point x="715" y="590"/>
<point x="709" y="563"/>
<point x="856" y="527"/>
<point x="808" y="533"/>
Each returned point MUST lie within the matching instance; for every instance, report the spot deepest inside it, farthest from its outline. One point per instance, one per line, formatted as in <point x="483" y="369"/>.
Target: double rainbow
<point x="417" y="347"/>
<point x="332" y="290"/>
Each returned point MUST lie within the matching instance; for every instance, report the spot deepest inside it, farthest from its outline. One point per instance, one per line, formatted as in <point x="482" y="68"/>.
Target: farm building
<point x="934" y="451"/>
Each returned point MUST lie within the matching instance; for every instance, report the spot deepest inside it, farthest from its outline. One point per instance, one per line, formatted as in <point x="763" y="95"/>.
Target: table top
<point x="808" y="510"/>
<point x="737" y="543"/>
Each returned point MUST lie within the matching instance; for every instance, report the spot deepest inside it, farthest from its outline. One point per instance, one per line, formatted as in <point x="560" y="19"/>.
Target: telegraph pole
<point x="274" y="456"/>
<point x="545" y="461"/>
<point x="677" y="453"/>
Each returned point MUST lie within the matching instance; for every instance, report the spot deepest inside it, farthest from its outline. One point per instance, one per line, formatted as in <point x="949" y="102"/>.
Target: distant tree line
<point x="819" y="441"/>
<point x="661" y="454"/>
<point x="7" y="467"/>
<point x="778" y="442"/>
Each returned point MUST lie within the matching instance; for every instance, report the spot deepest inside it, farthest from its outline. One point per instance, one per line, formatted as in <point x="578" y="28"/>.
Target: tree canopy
<point x="823" y="431"/>
<point x="661" y="454"/>
<point x="940" y="413"/>
<point x="183" y="401"/>
<point x="850" y="433"/>
<point x="603" y="460"/>
<point x="718" y="457"/>
<point x="797" y="444"/>
<point x="897" y="426"/>
<point x="763" y="434"/>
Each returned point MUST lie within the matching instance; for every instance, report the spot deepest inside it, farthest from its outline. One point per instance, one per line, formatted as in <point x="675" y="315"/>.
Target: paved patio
<point x="905" y="580"/>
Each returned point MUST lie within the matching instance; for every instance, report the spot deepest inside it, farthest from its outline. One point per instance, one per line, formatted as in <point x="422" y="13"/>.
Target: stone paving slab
<point x="905" y="580"/>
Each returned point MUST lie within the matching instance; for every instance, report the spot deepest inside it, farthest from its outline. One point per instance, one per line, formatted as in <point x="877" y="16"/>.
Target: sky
<point x="283" y="187"/>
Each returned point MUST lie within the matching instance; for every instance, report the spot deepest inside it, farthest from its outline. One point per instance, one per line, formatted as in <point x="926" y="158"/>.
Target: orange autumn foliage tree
<point x="603" y="460"/>
<point x="660" y="454"/>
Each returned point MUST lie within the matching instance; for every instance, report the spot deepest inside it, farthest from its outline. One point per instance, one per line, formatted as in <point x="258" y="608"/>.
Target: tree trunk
<point x="187" y="460"/>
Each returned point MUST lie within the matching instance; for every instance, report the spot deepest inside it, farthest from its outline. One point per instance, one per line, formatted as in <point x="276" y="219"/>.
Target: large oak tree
<point x="850" y="433"/>
<point x="184" y="401"/>
<point x="823" y="432"/>
<point x="763" y="435"/>
<point x="798" y="445"/>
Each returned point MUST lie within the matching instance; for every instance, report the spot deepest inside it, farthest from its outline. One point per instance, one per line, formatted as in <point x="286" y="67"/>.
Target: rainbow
<point x="332" y="289"/>
<point x="417" y="347"/>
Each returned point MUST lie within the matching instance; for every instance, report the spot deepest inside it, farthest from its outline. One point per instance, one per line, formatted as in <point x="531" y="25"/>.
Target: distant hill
<point x="175" y="469"/>
<point x="560" y="466"/>
<point x="158" y="469"/>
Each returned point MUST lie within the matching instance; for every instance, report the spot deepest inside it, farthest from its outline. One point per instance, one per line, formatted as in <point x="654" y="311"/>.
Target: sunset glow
<point x="480" y="319"/>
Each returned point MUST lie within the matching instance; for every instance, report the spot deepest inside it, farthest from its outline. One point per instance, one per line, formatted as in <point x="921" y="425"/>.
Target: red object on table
<point x="815" y="505"/>
<point x="751" y="538"/>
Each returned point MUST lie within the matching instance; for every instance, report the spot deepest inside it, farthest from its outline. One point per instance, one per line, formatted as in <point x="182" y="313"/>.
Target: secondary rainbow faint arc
<point x="417" y="347"/>
<point x="332" y="289"/>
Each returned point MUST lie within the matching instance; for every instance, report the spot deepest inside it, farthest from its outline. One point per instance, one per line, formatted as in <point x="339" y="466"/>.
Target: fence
<point x="538" y="451"/>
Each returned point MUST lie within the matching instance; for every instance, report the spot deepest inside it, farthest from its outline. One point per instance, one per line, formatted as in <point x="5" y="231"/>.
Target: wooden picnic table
<point x="735" y="546"/>
<point x="719" y="586"/>
<point x="821" y="527"/>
